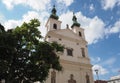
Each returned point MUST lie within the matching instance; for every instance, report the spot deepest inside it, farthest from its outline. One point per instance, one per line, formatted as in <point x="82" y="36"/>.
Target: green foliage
<point x="2" y="29"/>
<point x="23" y="58"/>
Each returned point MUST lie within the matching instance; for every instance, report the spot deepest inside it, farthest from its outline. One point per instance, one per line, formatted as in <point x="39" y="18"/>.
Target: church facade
<point x="74" y="60"/>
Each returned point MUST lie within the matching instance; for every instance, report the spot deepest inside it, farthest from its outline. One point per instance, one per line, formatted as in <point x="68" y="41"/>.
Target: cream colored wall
<point x="79" y="65"/>
<point x="50" y="23"/>
<point x="78" y="72"/>
<point x="76" y="64"/>
<point x="77" y="56"/>
<point x="77" y="29"/>
<point x="69" y="34"/>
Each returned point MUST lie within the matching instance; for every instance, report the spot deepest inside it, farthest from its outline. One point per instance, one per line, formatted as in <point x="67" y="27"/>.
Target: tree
<point x="23" y="57"/>
<point x="7" y="53"/>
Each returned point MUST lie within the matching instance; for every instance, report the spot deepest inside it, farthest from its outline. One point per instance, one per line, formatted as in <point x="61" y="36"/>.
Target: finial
<point x="54" y="6"/>
<point x="53" y="10"/>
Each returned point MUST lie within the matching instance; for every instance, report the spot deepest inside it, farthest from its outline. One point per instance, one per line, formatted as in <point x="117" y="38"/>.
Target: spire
<point x="75" y="23"/>
<point x="53" y="13"/>
<point x="53" y="10"/>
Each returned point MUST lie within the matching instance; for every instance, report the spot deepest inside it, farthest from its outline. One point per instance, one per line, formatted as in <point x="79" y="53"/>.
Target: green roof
<point x="75" y="23"/>
<point x="53" y="13"/>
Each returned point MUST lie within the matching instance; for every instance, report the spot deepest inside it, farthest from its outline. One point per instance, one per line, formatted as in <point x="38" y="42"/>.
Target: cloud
<point x="2" y="18"/>
<point x="109" y="4"/>
<point x="114" y="29"/>
<point x="66" y="18"/>
<point x="66" y="2"/>
<point x="94" y="27"/>
<point x="95" y="59"/>
<point x="92" y="7"/>
<point x="95" y="30"/>
<point x="104" y="65"/>
<point x="12" y="24"/>
<point x="101" y="70"/>
<point x="30" y="15"/>
<point x="37" y="4"/>
<point x="26" y="18"/>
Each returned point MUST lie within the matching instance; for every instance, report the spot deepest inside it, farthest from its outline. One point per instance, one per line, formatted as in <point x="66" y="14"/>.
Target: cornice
<point x="53" y="34"/>
<point x="53" y="20"/>
<point x="75" y="63"/>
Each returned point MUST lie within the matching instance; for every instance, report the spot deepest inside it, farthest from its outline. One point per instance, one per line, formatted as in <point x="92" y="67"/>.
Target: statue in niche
<point x="67" y="26"/>
<point x="87" y="78"/>
<point x="71" y="80"/>
<point x="53" y="76"/>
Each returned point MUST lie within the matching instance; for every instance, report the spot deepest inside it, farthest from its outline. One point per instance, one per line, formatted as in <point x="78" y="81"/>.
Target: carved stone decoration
<point x="53" y="76"/>
<point x="71" y="80"/>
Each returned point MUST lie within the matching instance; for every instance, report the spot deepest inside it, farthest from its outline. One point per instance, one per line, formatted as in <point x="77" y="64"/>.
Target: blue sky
<point x="99" y="18"/>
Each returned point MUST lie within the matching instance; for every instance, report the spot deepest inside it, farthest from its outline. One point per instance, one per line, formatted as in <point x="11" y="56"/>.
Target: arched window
<point x="53" y="76"/>
<point x="80" y="34"/>
<point x="54" y="26"/>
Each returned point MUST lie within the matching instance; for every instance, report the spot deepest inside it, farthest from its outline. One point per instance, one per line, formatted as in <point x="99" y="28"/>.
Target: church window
<point x="54" y="26"/>
<point x="70" y="52"/>
<point x="80" y="34"/>
<point x="83" y="52"/>
<point x="53" y="76"/>
<point x="87" y="79"/>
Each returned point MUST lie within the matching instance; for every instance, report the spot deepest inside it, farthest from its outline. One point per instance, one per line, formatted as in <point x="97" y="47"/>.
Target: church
<point x="74" y="60"/>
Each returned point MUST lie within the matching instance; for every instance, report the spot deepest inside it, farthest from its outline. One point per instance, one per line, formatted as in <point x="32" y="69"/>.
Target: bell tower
<point x="53" y="23"/>
<point x="76" y="27"/>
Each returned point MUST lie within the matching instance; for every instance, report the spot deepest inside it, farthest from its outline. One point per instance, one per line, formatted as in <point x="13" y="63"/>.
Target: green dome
<point x="53" y="13"/>
<point x="75" y="23"/>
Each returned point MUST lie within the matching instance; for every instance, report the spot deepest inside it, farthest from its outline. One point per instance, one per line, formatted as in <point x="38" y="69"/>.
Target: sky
<point x="99" y="18"/>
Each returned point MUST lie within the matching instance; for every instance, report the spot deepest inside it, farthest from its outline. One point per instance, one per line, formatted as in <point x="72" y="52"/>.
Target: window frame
<point x="83" y="52"/>
<point x="80" y="34"/>
<point x="69" y="51"/>
<point x="54" y="26"/>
